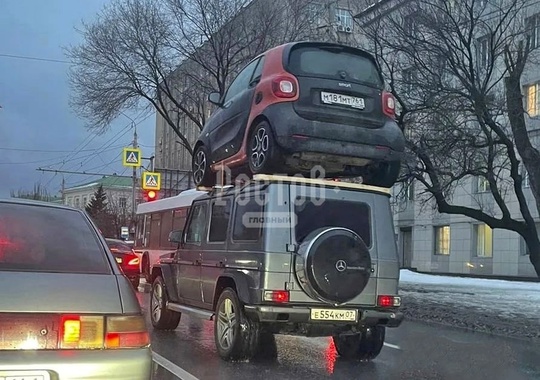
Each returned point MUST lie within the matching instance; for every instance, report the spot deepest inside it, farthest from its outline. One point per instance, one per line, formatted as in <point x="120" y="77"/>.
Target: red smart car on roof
<point x="299" y="105"/>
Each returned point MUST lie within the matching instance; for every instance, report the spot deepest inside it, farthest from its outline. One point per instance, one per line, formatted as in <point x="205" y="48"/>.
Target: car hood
<point x="59" y="293"/>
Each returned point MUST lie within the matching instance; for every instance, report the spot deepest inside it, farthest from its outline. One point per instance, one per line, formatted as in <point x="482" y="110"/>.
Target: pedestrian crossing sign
<point x="132" y="157"/>
<point x="151" y="181"/>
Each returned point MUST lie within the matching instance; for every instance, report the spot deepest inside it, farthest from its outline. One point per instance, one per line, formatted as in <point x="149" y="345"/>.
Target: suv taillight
<point x="284" y="87"/>
<point x="389" y="104"/>
<point x="98" y="332"/>
<point x="388" y="301"/>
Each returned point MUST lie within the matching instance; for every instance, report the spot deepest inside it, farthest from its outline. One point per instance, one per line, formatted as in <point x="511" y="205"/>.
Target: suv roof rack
<point x="320" y="182"/>
<point x="299" y="180"/>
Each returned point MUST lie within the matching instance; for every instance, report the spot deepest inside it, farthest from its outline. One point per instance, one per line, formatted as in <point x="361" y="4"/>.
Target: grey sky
<point x="34" y="96"/>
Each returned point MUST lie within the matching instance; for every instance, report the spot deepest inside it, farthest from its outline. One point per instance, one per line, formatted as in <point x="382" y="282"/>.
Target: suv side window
<point x="241" y="82"/>
<point x="248" y="221"/>
<point x="219" y="221"/>
<point x="197" y="224"/>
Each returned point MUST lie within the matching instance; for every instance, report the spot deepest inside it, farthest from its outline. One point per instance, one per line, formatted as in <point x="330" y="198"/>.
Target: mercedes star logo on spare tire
<point x="332" y="265"/>
<point x="341" y="265"/>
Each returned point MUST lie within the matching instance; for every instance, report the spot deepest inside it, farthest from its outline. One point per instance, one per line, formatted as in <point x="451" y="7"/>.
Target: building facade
<point x="117" y="188"/>
<point x="432" y="242"/>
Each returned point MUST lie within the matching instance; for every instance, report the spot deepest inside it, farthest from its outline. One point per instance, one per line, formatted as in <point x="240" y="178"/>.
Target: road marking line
<point x="173" y="368"/>
<point x="392" y="346"/>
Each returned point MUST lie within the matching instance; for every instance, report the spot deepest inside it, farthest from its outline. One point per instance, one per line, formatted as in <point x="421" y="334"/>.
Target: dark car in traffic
<point x="127" y="259"/>
<point x="299" y="105"/>
<point x="66" y="311"/>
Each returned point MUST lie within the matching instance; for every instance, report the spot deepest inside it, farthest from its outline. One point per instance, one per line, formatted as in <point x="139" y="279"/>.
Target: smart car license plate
<point x="343" y="100"/>
<point x="334" y="315"/>
<point x="24" y="375"/>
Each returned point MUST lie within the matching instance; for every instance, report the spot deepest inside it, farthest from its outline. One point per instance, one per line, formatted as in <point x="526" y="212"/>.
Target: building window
<point x="526" y="182"/>
<point x="482" y="185"/>
<point x="77" y="202"/>
<point x="532" y="25"/>
<point x="84" y="201"/>
<point x="532" y="99"/>
<point x="409" y="78"/>
<point x="410" y="25"/>
<point x="484" y="240"/>
<point x="442" y="240"/>
<point x="484" y="52"/>
<point x="316" y="13"/>
<point x="122" y="202"/>
<point x="344" y="20"/>
<point x="409" y="191"/>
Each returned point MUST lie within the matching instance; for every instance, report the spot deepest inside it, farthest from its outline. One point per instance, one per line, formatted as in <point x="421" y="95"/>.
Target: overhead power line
<point x="34" y="58"/>
<point x="83" y="173"/>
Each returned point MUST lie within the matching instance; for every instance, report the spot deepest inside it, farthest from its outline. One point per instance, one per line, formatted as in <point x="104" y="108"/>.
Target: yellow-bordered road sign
<point x="132" y="157"/>
<point x="151" y="181"/>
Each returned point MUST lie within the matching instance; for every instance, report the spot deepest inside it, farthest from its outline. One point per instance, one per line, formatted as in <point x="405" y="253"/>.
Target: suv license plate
<point x="343" y="100"/>
<point x="334" y="315"/>
<point x="24" y="375"/>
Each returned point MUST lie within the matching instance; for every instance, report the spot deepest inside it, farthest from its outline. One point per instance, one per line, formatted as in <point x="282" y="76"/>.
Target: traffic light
<point x="150" y="195"/>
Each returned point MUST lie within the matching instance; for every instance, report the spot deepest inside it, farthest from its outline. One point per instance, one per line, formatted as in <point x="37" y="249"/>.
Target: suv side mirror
<point x="215" y="98"/>
<point x="176" y="236"/>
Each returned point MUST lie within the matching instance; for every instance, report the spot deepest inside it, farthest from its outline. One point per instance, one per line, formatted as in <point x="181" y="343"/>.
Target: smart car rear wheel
<point x="365" y="346"/>
<point x="202" y="174"/>
<point x="261" y="149"/>
<point x="383" y="174"/>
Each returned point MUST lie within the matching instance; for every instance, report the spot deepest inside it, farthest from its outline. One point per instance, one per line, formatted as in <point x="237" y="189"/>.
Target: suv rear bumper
<point x="296" y="314"/>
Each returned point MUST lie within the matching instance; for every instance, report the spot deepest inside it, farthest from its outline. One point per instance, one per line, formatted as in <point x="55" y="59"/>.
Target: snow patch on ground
<point x="499" y="306"/>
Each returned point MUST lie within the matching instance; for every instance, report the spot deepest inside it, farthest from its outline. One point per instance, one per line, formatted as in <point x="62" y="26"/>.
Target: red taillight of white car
<point x="284" y="87"/>
<point x="389" y="104"/>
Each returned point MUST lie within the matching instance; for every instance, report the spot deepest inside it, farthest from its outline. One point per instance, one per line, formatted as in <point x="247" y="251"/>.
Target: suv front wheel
<point x="365" y="346"/>
<point x="236" y="336"/>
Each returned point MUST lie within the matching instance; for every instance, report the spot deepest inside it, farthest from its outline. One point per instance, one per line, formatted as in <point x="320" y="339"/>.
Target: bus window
<point x="166" y="228"/>
<point x="154" y="242"/>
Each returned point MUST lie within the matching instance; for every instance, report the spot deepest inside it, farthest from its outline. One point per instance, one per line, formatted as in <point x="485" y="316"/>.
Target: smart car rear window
<point x="333" y="63"/>
<point x="311" y="216"/>
<point x="47" y="239"/>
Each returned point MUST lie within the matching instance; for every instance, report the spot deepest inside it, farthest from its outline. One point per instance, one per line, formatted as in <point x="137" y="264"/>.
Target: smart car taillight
<point x="389" y="104"/>
<point x="284" y="87"/>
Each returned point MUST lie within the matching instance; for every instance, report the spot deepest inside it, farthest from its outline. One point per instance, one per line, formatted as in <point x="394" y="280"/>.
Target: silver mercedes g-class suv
<point x="284" y="255"/>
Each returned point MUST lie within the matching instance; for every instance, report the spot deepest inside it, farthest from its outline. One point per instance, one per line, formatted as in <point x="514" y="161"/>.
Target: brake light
<point x="389" y="301"/>
<point x="98" y="332"/>
<point x="134" y="262"/>
<point x="280" y="296"/>
<point x="284" y="87"/>
<point x="85" y="331"/>
<point x="389" y="104"/>
<point x="126" y="332"/>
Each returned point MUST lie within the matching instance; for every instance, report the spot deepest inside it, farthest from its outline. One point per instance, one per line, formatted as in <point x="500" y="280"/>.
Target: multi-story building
<point x="325" y="20"/>
<point x="117" y="188"/>
<point x="443" y="243"/>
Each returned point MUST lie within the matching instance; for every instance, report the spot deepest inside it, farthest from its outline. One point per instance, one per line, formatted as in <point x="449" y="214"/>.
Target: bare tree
<point x="168" y="54"/>
<point x="39" y="193"/>
<point x="455" y="69"/>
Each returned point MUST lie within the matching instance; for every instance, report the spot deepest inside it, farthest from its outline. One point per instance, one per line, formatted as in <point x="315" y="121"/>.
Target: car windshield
<point x="311" y="216"/>
<point x="334" y="63"/>
<point x="48" y="239"/>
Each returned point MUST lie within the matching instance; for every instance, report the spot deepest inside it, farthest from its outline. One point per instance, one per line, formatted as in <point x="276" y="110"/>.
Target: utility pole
<point x="133" y="193"/>
<point x="63" y="190"/>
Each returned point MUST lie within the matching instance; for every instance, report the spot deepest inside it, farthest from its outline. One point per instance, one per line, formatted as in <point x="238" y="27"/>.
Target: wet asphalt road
<point x="412" y="351"/>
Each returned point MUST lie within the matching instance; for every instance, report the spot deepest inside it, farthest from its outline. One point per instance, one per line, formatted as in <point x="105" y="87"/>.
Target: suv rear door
<point x="330" y="74"/>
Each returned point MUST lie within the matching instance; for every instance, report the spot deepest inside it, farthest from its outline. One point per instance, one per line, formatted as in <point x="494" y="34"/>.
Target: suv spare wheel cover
<point x="333" y="265"/>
